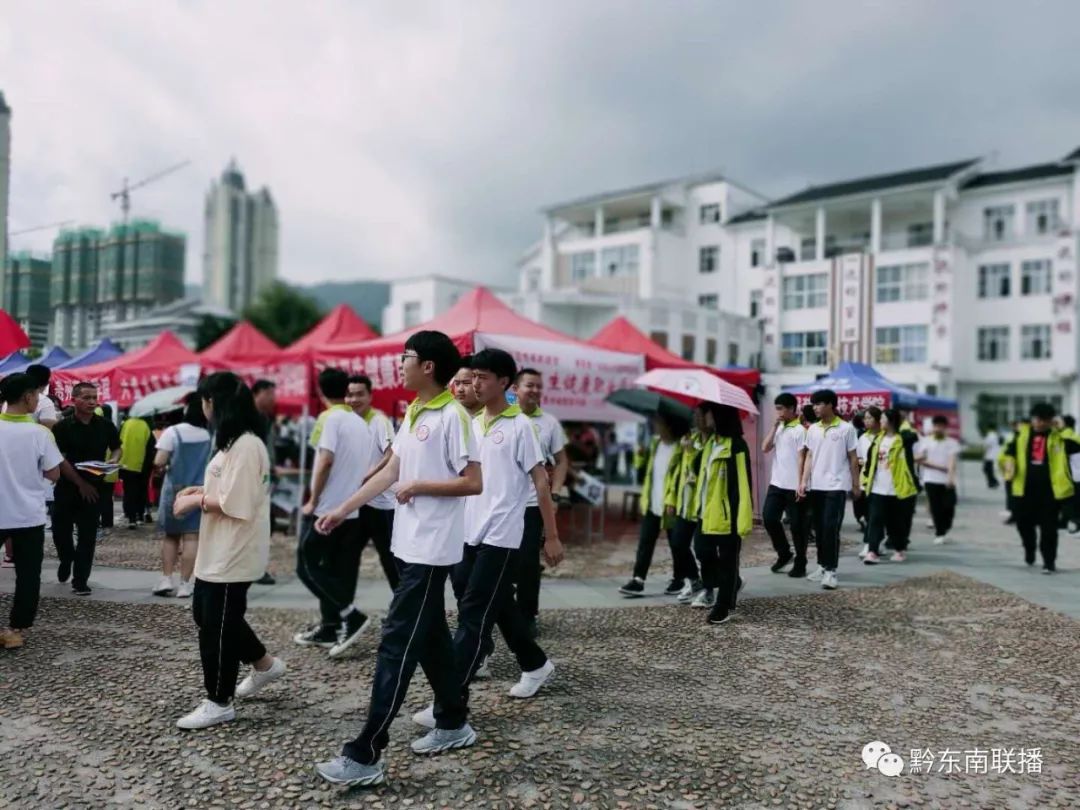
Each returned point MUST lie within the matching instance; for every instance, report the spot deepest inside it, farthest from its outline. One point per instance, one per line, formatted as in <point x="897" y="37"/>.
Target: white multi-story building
<point x="416" y="300"/>
<point x="240" y="249"/>
<point x="655" y="254"/>
<point x="5" y="182"/>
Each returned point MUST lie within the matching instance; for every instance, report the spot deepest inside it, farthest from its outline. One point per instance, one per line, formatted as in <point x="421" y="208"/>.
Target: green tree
<point x="209" y="329"/>
<point x="283" y="313"/>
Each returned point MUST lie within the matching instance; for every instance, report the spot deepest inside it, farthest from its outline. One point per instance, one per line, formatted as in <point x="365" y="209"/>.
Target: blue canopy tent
<point x="858" y="385"/>
<point x="13" y="362"/>
<point x="104" y="350"/>
<point x="51" y="359"/>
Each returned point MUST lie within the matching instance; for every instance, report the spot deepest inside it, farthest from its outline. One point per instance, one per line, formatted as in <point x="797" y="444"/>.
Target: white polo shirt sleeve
<point x="459" y="440"/>
<point x="529" y="452"/>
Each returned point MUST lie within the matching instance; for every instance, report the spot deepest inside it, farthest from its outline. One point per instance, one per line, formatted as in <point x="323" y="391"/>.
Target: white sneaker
<point x="425" y="717"/>
<point x="531" y="682"/>
<point x="942" y="540"/>
<point x="829" y="581"/>
<point x="930" y="524"/>
<point x="184" y="591"/>
<point x="256" y="680"/>
<point x="817" y="574"/>
<point x="1005" y="513"/>
<point x="706" y="598"/>
<point x="164" y="588"/>
<point x="207" y="714"/>
<point x="1074" y="529"/>
<point x="483" y="672"/>
<point x="865" y="551"/>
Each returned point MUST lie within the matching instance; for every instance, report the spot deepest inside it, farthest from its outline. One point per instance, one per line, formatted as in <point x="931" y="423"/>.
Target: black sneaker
<point x="63" y="572"/>
<point x="635" y="587"/>
<point x="355" y="625"/>
<point x="781" y="562"/>
<point x="81" y="590"/>
<point x="674" y="587"/>
<point x="266" y="579"/>
<point x="1029" y="557"/>
<point x="318" y="635"/>
<point x="719" y="615"/>
<point x="798" y="570"/>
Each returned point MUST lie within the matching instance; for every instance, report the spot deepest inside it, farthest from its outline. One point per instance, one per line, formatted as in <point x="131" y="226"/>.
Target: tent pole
<point x="303" y="466"/>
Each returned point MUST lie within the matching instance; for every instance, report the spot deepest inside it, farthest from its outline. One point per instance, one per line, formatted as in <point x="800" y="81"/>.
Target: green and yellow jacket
<point x="723" y="491"/>
<point x="1059" y="446"/>
<point x="671" y="480"/>
<point x="901" y="464"/>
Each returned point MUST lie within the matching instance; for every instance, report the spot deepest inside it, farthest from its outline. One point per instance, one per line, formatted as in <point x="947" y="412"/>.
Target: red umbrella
<point x="12" y="337"/>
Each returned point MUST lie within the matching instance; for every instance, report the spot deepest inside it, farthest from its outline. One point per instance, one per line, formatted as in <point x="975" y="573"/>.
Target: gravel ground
<point x="650" y="708"/>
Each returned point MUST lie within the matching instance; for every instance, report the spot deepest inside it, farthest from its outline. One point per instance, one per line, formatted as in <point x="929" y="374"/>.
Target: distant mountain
<point x="368" y="298"/>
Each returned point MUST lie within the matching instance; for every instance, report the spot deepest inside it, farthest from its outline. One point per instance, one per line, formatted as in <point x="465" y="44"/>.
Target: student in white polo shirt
<point x="785" y="441"/>
<point x="434" y="467"/>
<point x="829" y="469"/>
<point x="513" y="467"/>
<point x="937" y="455"/>
<point x="28" y="453"/>
<point x="328" y="564"/>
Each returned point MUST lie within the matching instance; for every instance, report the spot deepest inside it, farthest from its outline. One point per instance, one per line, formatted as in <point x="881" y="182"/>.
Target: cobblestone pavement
<point x="650" y="708"/>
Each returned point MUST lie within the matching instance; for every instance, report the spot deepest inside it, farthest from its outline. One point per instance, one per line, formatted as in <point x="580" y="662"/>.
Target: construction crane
<point x="124" y="194"/>
<point x="41" y="227"/>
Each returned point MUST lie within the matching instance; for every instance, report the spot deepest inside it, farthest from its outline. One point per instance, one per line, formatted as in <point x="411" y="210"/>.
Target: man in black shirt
<point x="265" y="394"/>
<point x="83" y="436"/>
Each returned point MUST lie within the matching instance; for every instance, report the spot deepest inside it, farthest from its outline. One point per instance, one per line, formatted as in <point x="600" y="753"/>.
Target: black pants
<point x="1037" y="513"/>
<point x="415" y="626"/>
<point x="489" y="573"/>
<point x="892" y="517"/>
<point x="778" y="502"/>
<point x="73" y="517"/>
<point x="828" y="509"/>
<point x="681" y="539"/>
<point x="648" y="531"/>
<point x="528" y="574"/>
<point x="328" y="564"/>
<point x="134" y="494"/>
<point x="377" y="525"/>
<point x="719" y="557"/>
<point x="28" y="550"/>
<point x="988" y="471"/>
<point x="942" y="500"/>
<point x="106" y="504"/>
<point x="225" y="638"/>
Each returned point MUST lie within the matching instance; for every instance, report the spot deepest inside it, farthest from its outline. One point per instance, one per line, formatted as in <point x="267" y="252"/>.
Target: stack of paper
<point x="97" y="467"/>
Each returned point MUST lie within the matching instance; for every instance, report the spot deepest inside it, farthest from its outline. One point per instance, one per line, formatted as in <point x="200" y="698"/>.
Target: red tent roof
<point x="622" y="336"/>
<point x="166" y="350"/>
<point x="341" y="325"/>
<point x="12" y="337"/>
<point x="242" y="342"/>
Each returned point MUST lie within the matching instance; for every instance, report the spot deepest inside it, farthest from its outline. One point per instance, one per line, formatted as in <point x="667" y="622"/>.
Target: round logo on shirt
<point x="498" y="437"/>
<point x="835" y="436"/>
<point x="423" y="432"/>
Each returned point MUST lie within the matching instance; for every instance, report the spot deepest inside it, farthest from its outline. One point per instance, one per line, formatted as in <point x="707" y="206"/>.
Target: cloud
<point x="400" y="139"/>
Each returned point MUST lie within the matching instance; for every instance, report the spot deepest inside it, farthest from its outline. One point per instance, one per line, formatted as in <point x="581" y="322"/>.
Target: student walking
<point x="829" y="470"/>
<point x="234" y="543"/>
<point x="183" y="451"/>
<point x="435" y="466"/>
<point x="83" y="436"/>
<point x="785" y="441"/>
<point x="662" y="462"/>
<point x="28" y="459"/>
<point x="688" y="507"/>
<point x="861" y="506"/>
<point x="328" y="564"/>
<point x="889" y="478"/>
<point x="726" y="510"/>
<point x="1037" y="474"/>
<point x="991" y="450"/>
<point x="136" y="442"/>
<point x="937" y="455"/>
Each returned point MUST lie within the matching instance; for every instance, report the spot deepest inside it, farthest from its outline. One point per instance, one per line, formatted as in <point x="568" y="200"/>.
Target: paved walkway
<point x="983" y="549"/>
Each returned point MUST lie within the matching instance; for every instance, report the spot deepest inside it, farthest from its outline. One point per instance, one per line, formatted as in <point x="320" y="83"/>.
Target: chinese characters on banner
<point x="850" y="404"/>
<point x="849" y="306"/>
<point x="1065" y="297"/>
<point x="941" y="284"/>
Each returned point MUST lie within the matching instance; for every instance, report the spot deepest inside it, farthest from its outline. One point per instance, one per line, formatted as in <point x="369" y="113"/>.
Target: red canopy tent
<point x="163" y="363"/>
<point x="241" y="343"/>
<point x="246" y="351"/>
<point x="621" y="335"/>
<point x="341" y="325"/>
<point x="12" y="337"/>
<point x="577" y="376"/>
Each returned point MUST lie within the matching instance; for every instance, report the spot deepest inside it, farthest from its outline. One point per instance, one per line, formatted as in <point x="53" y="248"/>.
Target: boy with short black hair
<point x="937" y="455"/>
<point x="785" y="441"/>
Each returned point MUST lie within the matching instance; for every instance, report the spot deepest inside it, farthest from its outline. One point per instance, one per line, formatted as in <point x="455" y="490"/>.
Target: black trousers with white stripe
<point x="415" y="627"/>
<point x="225" y="638"/>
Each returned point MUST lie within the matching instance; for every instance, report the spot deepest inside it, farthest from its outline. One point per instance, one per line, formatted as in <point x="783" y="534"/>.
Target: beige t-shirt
<point x="235" y="546"/>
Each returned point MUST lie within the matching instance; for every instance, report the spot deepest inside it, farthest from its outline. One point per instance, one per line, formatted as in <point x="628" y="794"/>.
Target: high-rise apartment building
<point x="240" y="256"/>
<point x="5" y="181"/>
<point x="26" y="294"/>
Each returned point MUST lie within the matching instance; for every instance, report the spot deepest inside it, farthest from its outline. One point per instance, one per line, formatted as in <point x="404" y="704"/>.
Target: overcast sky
<point x="407" y="138"/>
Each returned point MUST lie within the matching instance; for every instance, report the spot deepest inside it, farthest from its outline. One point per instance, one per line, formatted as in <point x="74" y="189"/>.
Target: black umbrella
<point x="650" y="403"/>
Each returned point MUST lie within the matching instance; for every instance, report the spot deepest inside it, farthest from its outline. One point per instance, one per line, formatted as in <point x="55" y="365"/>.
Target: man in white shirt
<point x="28" y="453"/>
<point x="829" y="469"/>
<point x="328" y="564"/>
<point x="377" y="518"/>
<point x="937" y="455"/>
<point x="434" y="467"/>
<point x="462" y="387"/>
<point x="785" y="441"/>
<point x="991" y="449"/>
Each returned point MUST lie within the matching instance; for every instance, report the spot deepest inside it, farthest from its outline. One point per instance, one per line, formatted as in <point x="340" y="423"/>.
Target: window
<point x="993" y="343"/>
<point x="1035" y="342"/>
<point x="807" y="249"/>
<point x="806" y="292"/>
<point x="688" y="346"/>
<point x="659" y="338"/>
<point x="920" y="234"/>
<point x="803" y="349"/>
<point x="903" y="282"/>
<point x="994" y="280"/>
<point x="411" y="314"/>
<point x="710" y="213"/>
<point x="1042" y="217"/>
<point x="709" y="301"/>
<point x="619" y="261"/>
<point x="900" y="344"/>
<point x="733" y="354"/>
<point x="757" y="252"/>
<point x="708" y="259"/>
<point x="582" y="265"/>
<point x="755" y="303"/>
<point x="998" y="223"/>
<point x="532" y="279"/>
<point x="1001" y="409"/>
<point x="710" y="351"/>
<point x="1035" y="277"/>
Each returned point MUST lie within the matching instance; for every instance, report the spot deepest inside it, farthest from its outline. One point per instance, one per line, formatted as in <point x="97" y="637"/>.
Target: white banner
<point x="577" y="377"/>
<point x="849" y="310"/>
